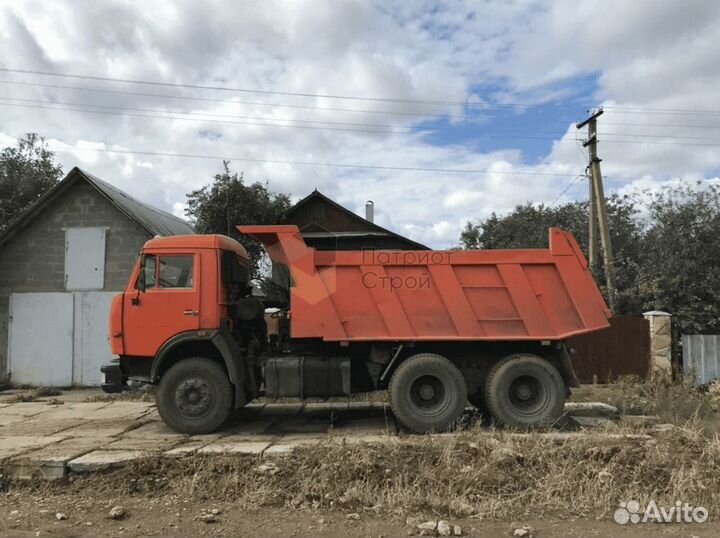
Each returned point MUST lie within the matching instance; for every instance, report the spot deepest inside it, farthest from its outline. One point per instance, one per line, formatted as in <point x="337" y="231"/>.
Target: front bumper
<point x="113" y="382"/>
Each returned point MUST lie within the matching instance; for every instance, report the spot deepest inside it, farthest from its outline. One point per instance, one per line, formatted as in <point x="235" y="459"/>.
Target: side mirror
<point x="141" y="277"/>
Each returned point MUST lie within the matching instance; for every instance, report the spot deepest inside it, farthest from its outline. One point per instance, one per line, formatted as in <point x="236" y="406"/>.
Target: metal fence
<point x="622" y="349"/>
<point x="700" y="357"/>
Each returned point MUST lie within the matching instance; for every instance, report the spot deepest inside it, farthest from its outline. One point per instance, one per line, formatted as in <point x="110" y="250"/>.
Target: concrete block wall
<point x="34" y="259"/>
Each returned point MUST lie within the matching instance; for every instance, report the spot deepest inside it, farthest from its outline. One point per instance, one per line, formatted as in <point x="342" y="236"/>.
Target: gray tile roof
<point x="152" y="220"/>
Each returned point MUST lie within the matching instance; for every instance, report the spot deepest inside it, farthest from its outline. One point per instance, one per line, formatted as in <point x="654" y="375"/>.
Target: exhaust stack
<point x="370" y="211"/>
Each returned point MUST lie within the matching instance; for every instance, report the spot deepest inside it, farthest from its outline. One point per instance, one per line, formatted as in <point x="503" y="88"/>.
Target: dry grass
<point x="486" y="474"/>
<point x="491" y="474"/>
<point x="675" y="403"/>
<point x="144" y="393"/>
<point x="40" y="392"/>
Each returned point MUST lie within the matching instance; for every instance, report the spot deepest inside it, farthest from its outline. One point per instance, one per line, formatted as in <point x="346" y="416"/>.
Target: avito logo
<point x="632" y="512"/>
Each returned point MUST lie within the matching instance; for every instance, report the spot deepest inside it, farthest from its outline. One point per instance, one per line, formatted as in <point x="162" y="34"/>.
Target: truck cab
<point x="187" y="300"/>
<point x="436" y="329"/>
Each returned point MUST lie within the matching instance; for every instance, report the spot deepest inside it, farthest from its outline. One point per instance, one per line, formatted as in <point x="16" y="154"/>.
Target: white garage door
<point x="84" y="258"/>
<point x="92" y="342"/>
<point x="59" y="339"/>
<point x="41" y="338"/>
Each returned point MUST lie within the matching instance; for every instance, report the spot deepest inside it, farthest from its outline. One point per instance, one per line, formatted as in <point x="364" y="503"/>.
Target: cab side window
<point x="149" y="272"/>
<point x="176" y="271"/>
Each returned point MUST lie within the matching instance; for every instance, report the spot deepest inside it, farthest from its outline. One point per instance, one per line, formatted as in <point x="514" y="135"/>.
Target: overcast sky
<point x="436" y="85"/>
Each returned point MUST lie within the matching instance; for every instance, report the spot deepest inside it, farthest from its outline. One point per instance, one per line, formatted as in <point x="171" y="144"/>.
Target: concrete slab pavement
<point x="102" y="428"/>
<point x="186" y="448"/>
<point x="26" y="409"/>
<point x="49" y="462"/>
<point x="6" y="420"/>
<point x="74" y="410"/>
<point x="235" y="446"/>
<point x="14" y="445"/>
<point x="104" y="459"/>
<point x="44" y="440"/>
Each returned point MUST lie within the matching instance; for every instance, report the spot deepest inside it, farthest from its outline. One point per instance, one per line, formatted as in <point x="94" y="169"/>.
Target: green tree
<point x="682" y="244"/>
<point x="228" y="201"/>
<point x="27" y="171"/>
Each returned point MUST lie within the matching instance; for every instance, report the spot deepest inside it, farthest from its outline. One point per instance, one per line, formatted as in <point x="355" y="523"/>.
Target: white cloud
<point x="462" y="198"/>
<point x="643" y="56"/>
<point x="179" y="209"/>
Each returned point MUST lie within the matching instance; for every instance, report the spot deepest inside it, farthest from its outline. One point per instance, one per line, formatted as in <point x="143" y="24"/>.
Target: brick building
<point x="60" y="264"/>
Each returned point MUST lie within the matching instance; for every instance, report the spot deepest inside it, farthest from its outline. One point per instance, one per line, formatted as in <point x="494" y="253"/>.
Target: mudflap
<point x="566" y="369"/>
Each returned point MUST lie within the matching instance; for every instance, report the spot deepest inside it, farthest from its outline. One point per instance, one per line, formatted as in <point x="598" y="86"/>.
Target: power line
<point x="200" y="116"/>
<point x="314" y="107"/>
<point x="649" y="135"/>
<point x="229" y="101"/>
<point x="657" y="142"/>
<point x="572" y="182"/>
<point x="327" y="126"/>
<point x="310" y="163"/>
<point x="155" y="116"/>
<point x="236" y="90"/>
<point x="431" y="102"/>
<point x="670" y="112"/>
<point x="669" y="125"/>
<point x="199" y="113"/>
<point x="118" y="111"/>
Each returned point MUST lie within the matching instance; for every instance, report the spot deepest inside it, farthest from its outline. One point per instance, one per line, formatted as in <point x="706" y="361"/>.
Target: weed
<point x="489" y="474"/>
<point x="41" y="392"/>
<point x="145" y="393"/>
<point x="673" y="402"/>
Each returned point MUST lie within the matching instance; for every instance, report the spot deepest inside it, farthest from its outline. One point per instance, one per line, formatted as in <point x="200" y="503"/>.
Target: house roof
<point x="367" y="229"/>
<point x="151" y="219"/>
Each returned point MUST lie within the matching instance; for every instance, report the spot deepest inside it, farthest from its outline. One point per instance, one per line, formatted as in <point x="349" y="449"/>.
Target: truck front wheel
<point x="524" y="391"/>
<point x="427" y="393"/>
<point x="194" y="396"/>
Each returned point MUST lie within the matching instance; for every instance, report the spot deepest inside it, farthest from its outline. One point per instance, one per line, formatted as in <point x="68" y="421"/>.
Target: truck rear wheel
<point x="524" y="391"/>
<point x="427" y="393"/>
<point x="195" y="396"/>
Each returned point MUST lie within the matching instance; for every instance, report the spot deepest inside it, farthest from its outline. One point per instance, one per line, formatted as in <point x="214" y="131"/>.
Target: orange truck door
<point x="169" y="305"/>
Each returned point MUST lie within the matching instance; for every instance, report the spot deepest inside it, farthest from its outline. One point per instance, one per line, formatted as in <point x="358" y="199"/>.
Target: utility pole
<point x="598" y="209"/>
<point x="592" y="221"/>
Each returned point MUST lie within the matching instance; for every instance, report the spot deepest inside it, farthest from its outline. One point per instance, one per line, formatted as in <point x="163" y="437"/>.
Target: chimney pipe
<point x="369" y="211"/>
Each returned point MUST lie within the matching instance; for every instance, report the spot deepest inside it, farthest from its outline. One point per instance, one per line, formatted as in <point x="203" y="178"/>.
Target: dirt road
<point x="29" y="515"/>
<point x="353" y="479"/>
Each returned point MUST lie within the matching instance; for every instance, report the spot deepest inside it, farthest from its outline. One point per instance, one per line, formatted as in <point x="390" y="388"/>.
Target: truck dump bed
<point x="381" y="295"/>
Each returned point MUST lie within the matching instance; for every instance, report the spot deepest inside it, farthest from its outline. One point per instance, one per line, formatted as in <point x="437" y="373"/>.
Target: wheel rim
<point x="429" y="395"/>
<point x="194" y="397"/>
<point x="528" y="395"/>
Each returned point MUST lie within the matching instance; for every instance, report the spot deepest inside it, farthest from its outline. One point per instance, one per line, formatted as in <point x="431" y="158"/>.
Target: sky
<point x="439" y="111"/>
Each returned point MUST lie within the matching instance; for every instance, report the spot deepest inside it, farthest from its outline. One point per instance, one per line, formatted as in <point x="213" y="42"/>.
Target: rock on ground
<point x="428" y="528"/>
<point x="117" y="512"/>
<point x="444" y="528"/>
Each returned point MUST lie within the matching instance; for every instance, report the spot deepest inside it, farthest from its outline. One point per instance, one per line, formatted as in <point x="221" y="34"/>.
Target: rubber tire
<point x="497" y="388"/>
<point x="220" y="384"/>
<point x="411" y="369"/>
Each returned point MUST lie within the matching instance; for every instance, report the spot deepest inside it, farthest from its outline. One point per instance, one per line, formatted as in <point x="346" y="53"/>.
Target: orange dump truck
<point x="434" y="328"/>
